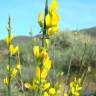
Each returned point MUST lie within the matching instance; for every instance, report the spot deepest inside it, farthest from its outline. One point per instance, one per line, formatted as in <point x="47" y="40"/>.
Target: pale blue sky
<point x="73" y="14"/>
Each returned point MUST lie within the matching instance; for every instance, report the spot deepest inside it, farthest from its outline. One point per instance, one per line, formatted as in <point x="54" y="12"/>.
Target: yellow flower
<point x="45" y="94"/>
<point x="44" y="73"/>
<point x="40" y="19"/>
<point x="65" y="94"/>
<point x="48" y="20"/>
<point x="8" y="39"/>
<point x="58" y="91"/>
<point x="52" y="91"/>
<point x="28" y="85"/>
<point x="55" y="29"/>
<point x="38" y="73"/>
<point x="78" y="88"/>
<point x="52" y="30"/>
<point x="73" y="90"/>
<point x="5" y="81"/>
<point x="58" y="84"/>
<point x="13" y="49"/>
<point x="75" y="86"/>
<point x="47" y="42"/>
<point x="71" y="84"/>
<point x="53" y="6"/>
<point x="35" y="84"/>
<point x="47" y="63"/>
<point x="49" y="31"/>
<point x="77" y="94"/>
<point x="46" y="86"/>
<point x="43" y="53"/>
<point x="18" y="66"/>
<point x="36" y="51"/>
<point x="54" y="19"/>
<point x="13" y="72"/>
<point x="79" y="81"/>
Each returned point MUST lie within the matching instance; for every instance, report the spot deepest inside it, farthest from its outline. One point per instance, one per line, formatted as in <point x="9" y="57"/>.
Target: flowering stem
<point x="43" y="42"/>
<point x="9" y="58"/>
<point x="44" y="30"/>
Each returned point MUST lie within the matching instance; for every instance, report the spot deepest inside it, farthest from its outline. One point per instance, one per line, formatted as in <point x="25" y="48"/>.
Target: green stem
<point x="85" y="76"/>
<point x="68" y="73"/>
<point x="9" y="58"/>
<point x="44" y="29"/>
<point x="69" y="67"/>
<point x="82" y="59"/>
<point x="22" y="86"/>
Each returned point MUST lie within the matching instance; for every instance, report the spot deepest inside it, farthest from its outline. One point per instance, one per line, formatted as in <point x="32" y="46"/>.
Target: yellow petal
<point x="65" y="94"/>
<point x="47" y="42"/>
<point x="36" y="51"/>
<point x="38" y="73"/>
<point x="18" y="66"/>
<point x="40" y="18"/>
<point x="48" y="20"/>
<point x="47" y="63"/>
<point x="52" y="91"/>
<point x="8" y="39"/>
<point x="43" y="53"/>
<point x="13" y="49"/>
<point x="46" y="86"/>
<point x="44" y="74"/>
<point x="54" y="19"/>
<point x="5" y="81"/>
<point x="28" y="86"/>
<point x="53" y="6"/>
<point x="45" y="94"/>
<point x="71" y="84"/>
<point x="13" y="72"/>
<point x="55" y="29"/>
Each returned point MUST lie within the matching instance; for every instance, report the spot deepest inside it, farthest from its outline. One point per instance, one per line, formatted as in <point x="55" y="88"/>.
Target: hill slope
<point x="89" y="31"/>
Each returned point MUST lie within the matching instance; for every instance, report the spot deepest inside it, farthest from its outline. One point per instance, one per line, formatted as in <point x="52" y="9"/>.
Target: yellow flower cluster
<point x="42" y="57"/>
<point x="45" y="60"/>
<point x="8" y="39"/>
<point x="75" y="87"/>
<point x="42" y="74"/>
<point x="49" y="91"/>
<point x="46" y="88"/>
<point x="13" y="73"/>
<point x="51" y="19"/>
<point x="40" y="84"/>
<point x="13" y="50"/>
<point x="40" y="54"/>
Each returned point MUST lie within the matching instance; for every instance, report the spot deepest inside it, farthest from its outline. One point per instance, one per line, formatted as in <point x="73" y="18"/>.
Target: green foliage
<point x="75" y="49"/>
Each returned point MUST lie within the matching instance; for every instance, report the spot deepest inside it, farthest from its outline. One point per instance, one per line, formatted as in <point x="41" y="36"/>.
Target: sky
<point x="74" y="14"/>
